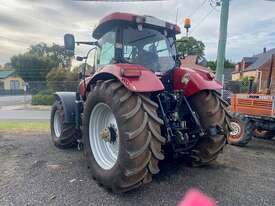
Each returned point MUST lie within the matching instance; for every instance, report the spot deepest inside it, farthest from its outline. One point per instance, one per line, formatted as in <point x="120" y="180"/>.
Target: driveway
<point x="14" y="100"/>
<point x="34" y="172"/>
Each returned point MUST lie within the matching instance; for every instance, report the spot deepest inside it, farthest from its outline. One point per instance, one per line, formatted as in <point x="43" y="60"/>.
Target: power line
<point x="197" y="9"/>
<point x="201" y="21"/>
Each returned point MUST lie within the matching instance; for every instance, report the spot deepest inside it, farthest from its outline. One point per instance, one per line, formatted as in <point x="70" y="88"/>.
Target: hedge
<point x="42" y="99"/>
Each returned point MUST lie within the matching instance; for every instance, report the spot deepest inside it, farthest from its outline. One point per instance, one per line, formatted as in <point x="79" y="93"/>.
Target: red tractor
<point x="139" y="104"/>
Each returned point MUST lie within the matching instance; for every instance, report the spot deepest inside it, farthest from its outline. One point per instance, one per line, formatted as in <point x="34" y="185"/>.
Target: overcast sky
<point x="26" y="22"/>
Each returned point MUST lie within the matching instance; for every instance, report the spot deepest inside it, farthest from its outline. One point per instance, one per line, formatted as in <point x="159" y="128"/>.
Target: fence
<point x="35" y="87"/>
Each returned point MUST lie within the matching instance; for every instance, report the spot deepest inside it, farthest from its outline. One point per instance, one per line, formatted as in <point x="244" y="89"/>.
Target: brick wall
<point x="264" y="76"/>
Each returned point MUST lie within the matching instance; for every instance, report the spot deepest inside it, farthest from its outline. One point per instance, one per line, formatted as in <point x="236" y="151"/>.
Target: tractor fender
<point x="146" y="82"/>
<point x="193" y="81"/>
<point x="68" y="103"/>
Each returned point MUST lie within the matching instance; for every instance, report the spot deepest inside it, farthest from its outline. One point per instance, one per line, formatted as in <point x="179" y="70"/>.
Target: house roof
<point x="191" y="62"/>
<point x="262" y="58"/>
<point x="250" y="59"/>
<point x="6" y="73"/>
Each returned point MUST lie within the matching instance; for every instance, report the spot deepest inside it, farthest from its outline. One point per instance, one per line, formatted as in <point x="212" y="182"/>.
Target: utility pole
<point x="222" y="39"/>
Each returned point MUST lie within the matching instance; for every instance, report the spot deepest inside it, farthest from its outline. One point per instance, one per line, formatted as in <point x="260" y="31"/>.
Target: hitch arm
<point x="165" y="120"/>
<point x="193" y="115"/>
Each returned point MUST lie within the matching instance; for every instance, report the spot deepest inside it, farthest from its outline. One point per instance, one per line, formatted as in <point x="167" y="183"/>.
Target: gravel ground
<point x="34" y="172"/>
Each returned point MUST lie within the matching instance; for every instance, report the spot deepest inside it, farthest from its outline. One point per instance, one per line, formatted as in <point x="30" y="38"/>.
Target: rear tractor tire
<point x="263" y="134"/>
<point x="212" y="112"/>
<point x="122" y="137"/>
<point x="63" y="134"/>
<point x="241" y="133"/>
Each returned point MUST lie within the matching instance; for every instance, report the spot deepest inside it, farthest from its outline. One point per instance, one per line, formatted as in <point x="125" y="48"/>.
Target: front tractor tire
<point x="122" y="138"/>
<point x="241" y="133"/>
<point x="212" y="113"/>
<point x="63" y="134"/>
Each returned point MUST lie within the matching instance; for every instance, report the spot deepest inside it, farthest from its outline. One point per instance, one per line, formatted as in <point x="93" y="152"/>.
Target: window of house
<point x="14" y="84"/>
<point x="1" y="85"/>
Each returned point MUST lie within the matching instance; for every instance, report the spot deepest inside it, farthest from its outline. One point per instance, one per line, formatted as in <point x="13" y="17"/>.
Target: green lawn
<point x="22" y="126"/>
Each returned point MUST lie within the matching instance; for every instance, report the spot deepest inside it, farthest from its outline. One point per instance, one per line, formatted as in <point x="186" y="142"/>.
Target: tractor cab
<point x="139" y="40"/>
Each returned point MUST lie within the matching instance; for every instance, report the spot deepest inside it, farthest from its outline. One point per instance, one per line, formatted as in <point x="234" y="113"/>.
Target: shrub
<point x="42" y="99"/>
<point x="245" y="84"/>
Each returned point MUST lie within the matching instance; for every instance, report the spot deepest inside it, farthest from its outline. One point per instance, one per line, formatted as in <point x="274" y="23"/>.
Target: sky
<point x="25" y="22"/>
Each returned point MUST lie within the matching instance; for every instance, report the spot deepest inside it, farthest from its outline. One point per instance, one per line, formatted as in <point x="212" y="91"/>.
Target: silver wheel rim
<point x="57" y="124"/>
<point x="236" y="129"/>
<point x="105" y="153"/>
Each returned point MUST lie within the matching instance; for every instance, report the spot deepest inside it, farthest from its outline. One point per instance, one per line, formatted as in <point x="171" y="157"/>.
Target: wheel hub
<point x="105" y="134"/>
<point x="109" y="134"/>
<point x="236" y="129"/>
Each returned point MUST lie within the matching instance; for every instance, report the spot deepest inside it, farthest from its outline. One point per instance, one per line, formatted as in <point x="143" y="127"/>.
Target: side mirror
<point x="69" y="43"/>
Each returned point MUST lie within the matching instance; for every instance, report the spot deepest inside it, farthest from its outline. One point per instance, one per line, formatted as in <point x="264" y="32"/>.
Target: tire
<point x="263" y="134"/>
<point x="64" y="136"/>
<point x="243" y="136"/>
<point x="138" y="133"/>
<point x="212" y="112"/>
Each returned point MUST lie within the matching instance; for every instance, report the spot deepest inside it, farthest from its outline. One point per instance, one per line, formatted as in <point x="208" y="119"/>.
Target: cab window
<point x="107" y="48"/>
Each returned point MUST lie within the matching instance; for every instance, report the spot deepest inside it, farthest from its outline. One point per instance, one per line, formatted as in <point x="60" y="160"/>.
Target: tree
<point x="8" y="66"/>
<point x="190" y="46"/>
<point x="212" y="65"/>
<point x="31" y="67"/>
<point x="56" y="52"/>
<point x="35" y="64"/>
<point x="228" y="64"/>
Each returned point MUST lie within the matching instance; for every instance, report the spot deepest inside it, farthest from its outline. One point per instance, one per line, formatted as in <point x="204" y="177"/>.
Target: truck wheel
<point x="62" y="133"/>
<point x="263" y="134"/>
<point x="239" y="135"/>
<point x="122" y="138"/>
<point x="212" y="112"/>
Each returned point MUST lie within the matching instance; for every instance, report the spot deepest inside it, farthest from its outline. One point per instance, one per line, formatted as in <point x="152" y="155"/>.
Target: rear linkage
<point x="181" y="137"/>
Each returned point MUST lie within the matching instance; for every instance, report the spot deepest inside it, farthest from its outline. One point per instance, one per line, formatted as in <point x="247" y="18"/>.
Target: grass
<point x="24" y="127"/>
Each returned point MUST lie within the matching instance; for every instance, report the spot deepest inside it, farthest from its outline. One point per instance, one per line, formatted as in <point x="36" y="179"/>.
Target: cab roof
<point x="115" y="18"/>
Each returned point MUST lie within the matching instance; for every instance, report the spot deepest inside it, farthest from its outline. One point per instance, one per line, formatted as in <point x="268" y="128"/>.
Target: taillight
<point x="130" y="72"/>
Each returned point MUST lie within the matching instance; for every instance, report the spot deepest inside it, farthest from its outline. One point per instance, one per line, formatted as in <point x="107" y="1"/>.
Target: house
<point x="10" y="83"/>
<point x="195" y="62"/>
<point x="257" y="66"/>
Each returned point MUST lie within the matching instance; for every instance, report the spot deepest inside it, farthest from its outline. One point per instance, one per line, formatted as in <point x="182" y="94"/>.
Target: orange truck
<point x="253" y="115"/>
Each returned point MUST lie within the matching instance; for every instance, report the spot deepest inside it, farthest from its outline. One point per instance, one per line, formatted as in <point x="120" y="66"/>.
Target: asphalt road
<point x="15" y="108"/>
<point x="34" y="172"/>
<point x="24" y="115"/>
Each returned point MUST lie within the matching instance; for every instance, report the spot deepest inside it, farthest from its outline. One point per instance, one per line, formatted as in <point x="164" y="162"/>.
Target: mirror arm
<point x="87" y="43"/>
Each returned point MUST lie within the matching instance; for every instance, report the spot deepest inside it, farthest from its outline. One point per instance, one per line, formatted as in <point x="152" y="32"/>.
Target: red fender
<point x="146" y="82"/>
<point x="193" y="81"/>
